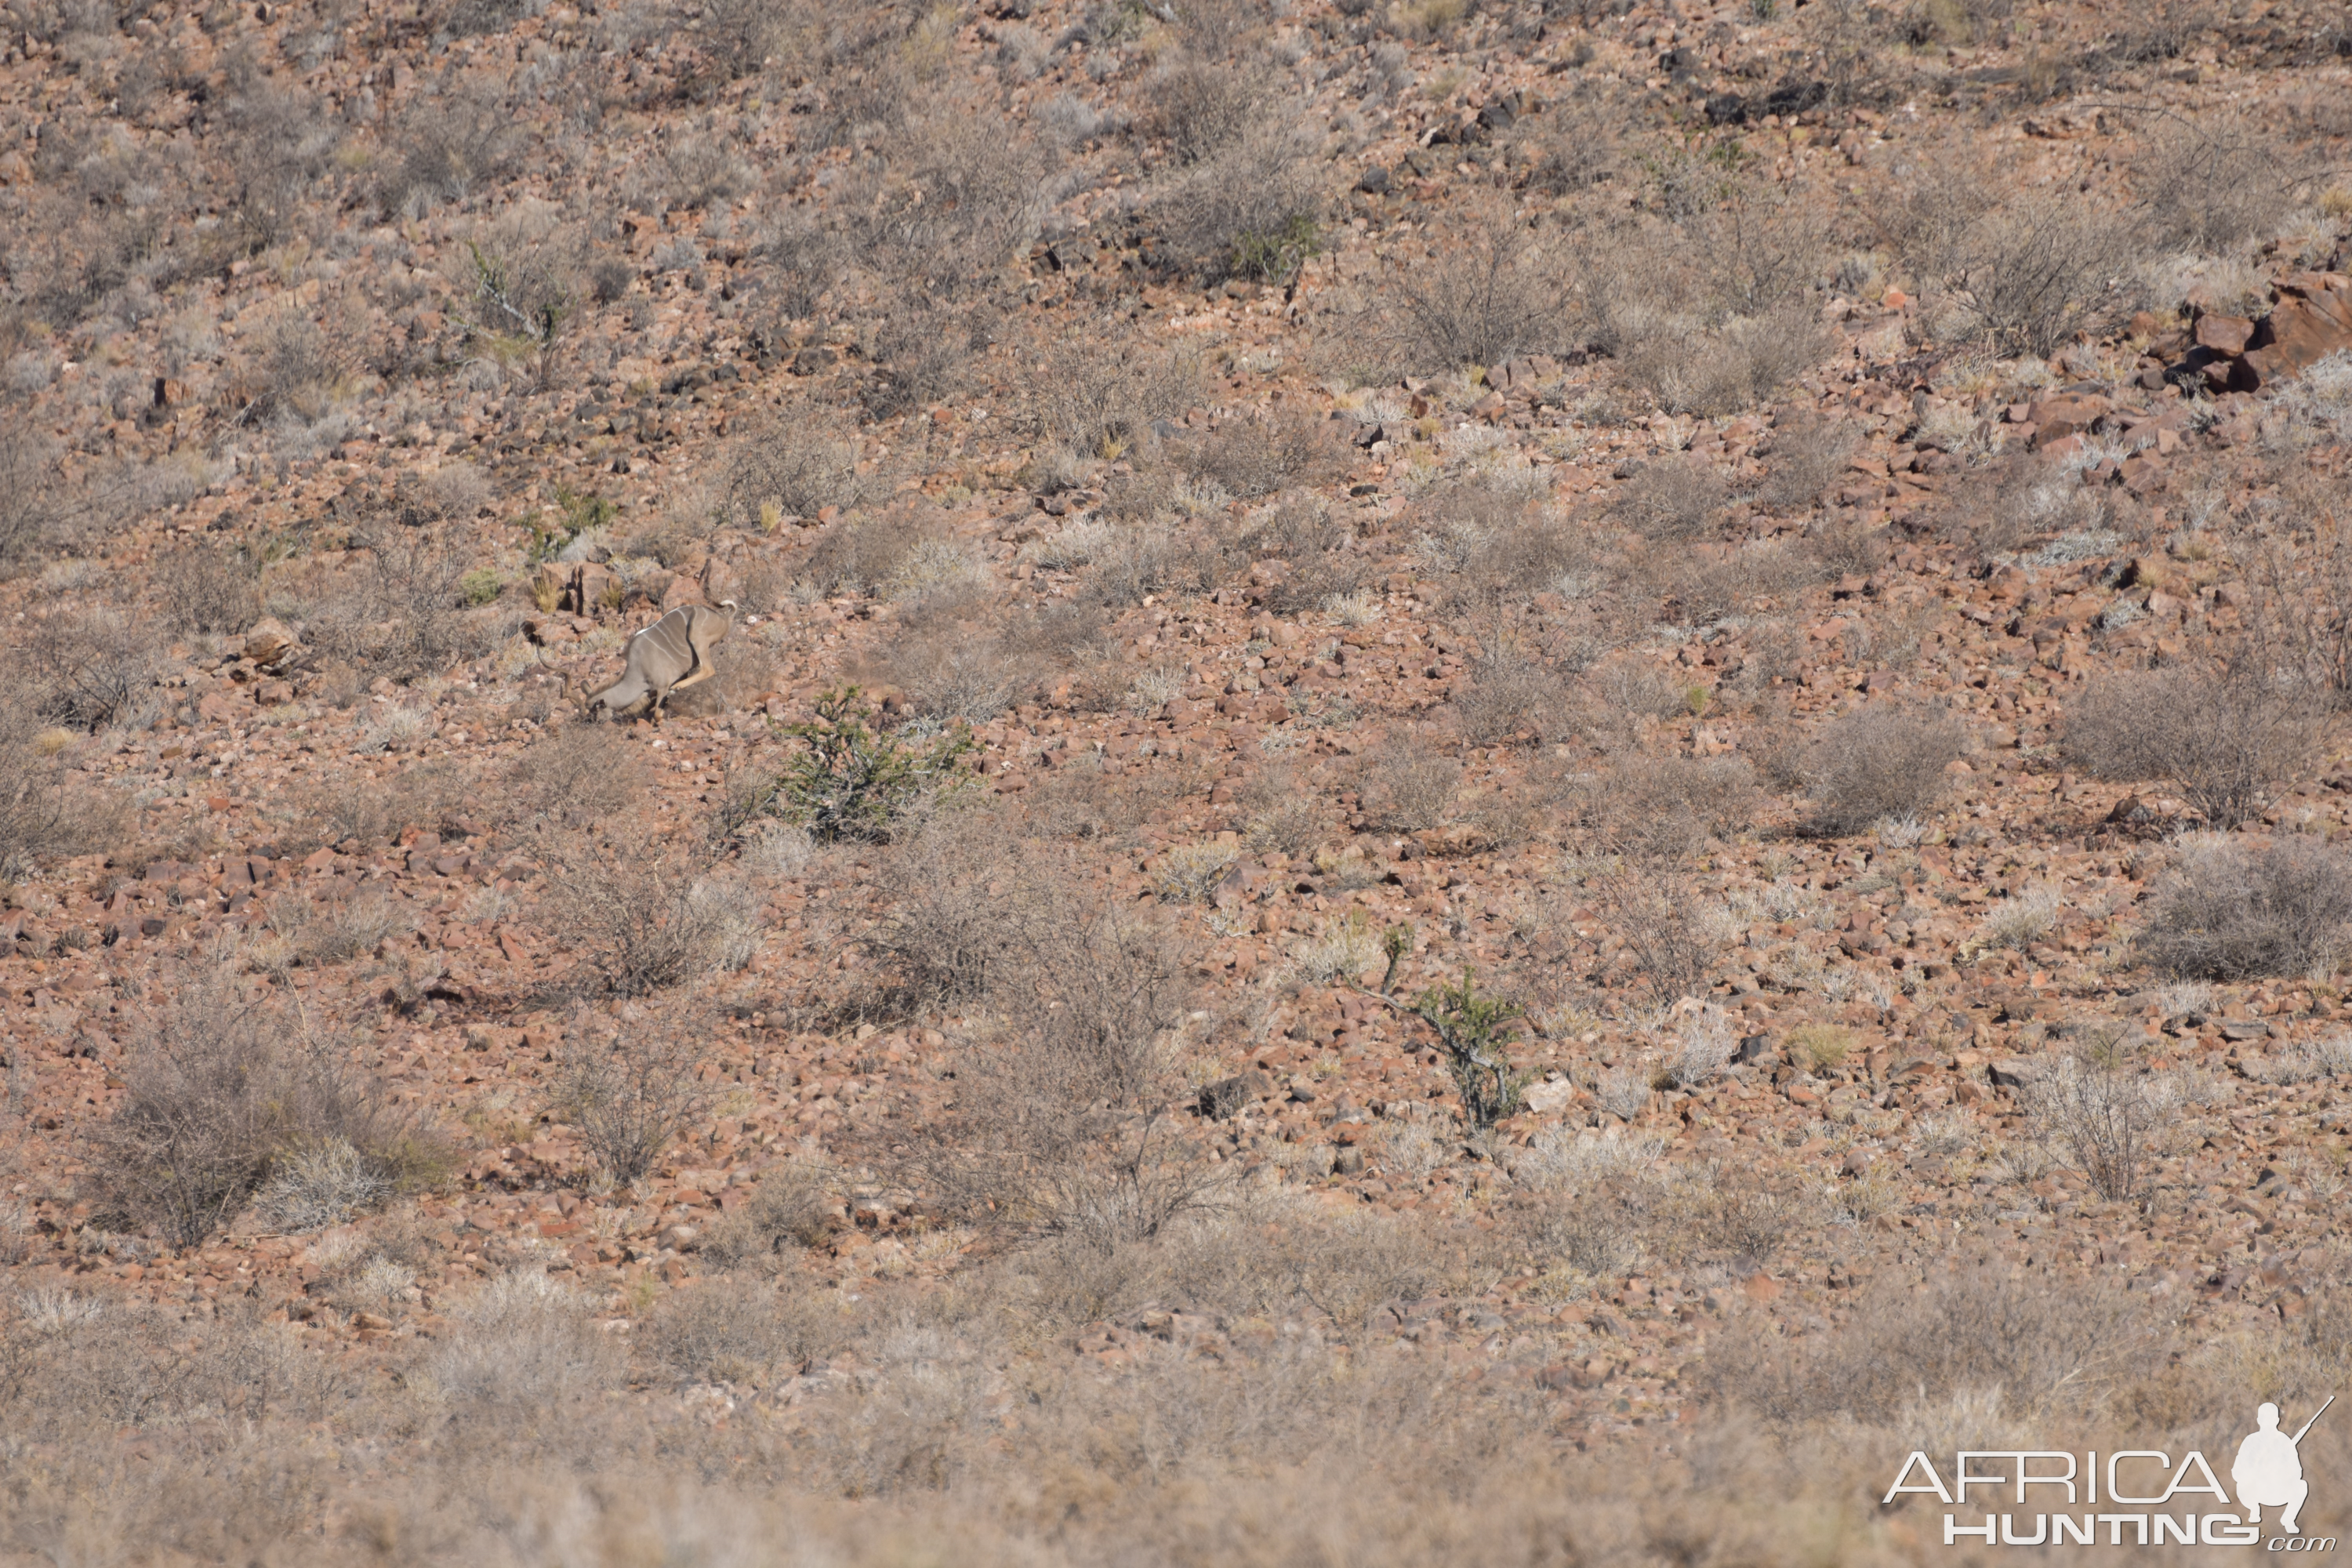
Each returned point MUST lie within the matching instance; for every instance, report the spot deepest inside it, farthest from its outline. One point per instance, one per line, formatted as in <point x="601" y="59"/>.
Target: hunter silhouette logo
<point x="2266" y="1474"/>
<point x="2269" y="1471"/>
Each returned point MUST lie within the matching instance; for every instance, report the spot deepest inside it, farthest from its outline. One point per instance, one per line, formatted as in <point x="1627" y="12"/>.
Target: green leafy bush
<point x="853" y="781"/>
<point x="1474" y="1031"/>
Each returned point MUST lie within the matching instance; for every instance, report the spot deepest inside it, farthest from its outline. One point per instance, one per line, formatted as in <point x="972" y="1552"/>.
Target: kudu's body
<point x="670" y="656"/>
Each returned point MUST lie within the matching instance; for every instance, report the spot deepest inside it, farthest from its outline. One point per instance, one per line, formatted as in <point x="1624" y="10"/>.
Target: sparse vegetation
<point x="2227" y="741"/>
<point x="632" y="1091"/>
<point x="224" y="1098"/>
<point x="1262" y="542"/>
<point x="853" y="779"/>
<point x="2105" y="1112"/>
<point x="1880" y="760"/>
<point x="2231" y="912"/>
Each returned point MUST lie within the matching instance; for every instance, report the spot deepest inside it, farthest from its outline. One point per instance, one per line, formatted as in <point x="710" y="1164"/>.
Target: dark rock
<point x="1373" y="182"/>
<point x="1726" y="109"/>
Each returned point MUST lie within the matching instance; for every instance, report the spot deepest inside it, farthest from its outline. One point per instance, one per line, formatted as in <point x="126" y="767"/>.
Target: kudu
<point x="670" y="656"/>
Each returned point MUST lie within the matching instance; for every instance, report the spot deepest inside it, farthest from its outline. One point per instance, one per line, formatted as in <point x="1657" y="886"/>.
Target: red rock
<point x="2304" y="328"/>
<point x="2224" y="334"/>
<point x="2056" y="418"/>
<point x="1761" y="1287"/>
<point x="268" y="642"/>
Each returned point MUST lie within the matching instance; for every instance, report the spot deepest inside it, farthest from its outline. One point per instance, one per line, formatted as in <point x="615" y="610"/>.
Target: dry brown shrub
<point x="739" y="1330"/>
<point x="1666" y="807"/>
<point x="958" y="897"/>
<point x="1296" y="528"/>
<point x="1498" y="547"/>
<point x="580" y="775"/>
<point x="1652" y="903"/>
<point x="1881" y="760"/>
<point x="1062" y="1126"/>
<point x="1509" y="693"/>
<point x="2210" y="186"/>
<point x="1229" y="212"/>
<point x="1570" y="147"/>
<point x="445" y="142"/>
<point x="32" y="500"/>
<point x="629" y="1086"/>
<point x="405" y="616"/>
<point x="1407" y="785"/>
<point x="1708" y="312"/>
<point x="963" y="189"/>
<point x="1101" y="400"/>
<point x="2235" y="911"/>
<point x="1736" y="364"/>
<point x="435" y="796"/>
<point x="2054" y="1346"/>
<point x="1283" y="810"/>
<point x="643" y="915"/>
<point x="2026" y="275"/>
<point x="956" y="671"/>
<point x="1676" y="498"/>
<point x="1805" y="458"/>
<point x="1200" y="107"/>
<point x="206" y="590"/>
<point x="42" y="812"/>
<point x="789" y="1206"/>
<point x="1249" y="458"/>
<point x="1314" y="546"/>
<point x="317" y="931"/>
<point x="1845" y="547"/>
<point x="1475" y="298"/>
<point x="1153" y="558"/>
<point x="919" y="354"/>
<point x="525" y="1350"/>
<point x="1634" y="688"/>
<point x="2227" y="741"/>
<point x="2303" y="624"/>
<point x="87" y="668"/>
<point x="222" y="1089"/>
<point x="790" y="468"/>
<point x="864" y="551"/>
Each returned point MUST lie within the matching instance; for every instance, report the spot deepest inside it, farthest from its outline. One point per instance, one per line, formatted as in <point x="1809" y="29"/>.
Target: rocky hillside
<point x="1564" y="755"/>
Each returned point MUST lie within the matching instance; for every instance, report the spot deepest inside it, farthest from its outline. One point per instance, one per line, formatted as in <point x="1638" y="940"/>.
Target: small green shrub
<point x="576" y="515"/>
<point x="1277" y="251"/>
<point x="1474" y="1031"/>
<point x="854" y="781"/>
<point x="481" y="587"/>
